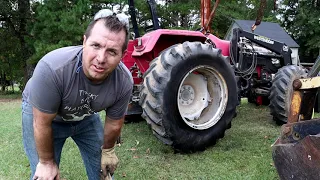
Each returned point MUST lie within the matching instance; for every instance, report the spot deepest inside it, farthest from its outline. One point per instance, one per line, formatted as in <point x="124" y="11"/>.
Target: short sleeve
<point x="44" y="92"/>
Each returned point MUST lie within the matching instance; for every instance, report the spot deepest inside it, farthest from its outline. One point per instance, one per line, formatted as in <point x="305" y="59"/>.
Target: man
<point x="68" y="87"/>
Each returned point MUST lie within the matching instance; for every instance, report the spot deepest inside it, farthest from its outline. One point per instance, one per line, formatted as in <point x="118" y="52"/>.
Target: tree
<point x="9" y="62"/>
<point x="184" y="14"/>
<point x="302" y="19"/>
<point x="32" y="28"/>
<point x="57" y="24"/>
<point x="244" y="10"/>
<point x="63" y="23"/>
<point x="179" y="14"/>
<point x="14" y="15"/>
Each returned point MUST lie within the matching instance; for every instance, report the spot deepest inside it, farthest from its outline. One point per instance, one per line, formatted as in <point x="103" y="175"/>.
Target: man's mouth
<point x="98" y="68"/>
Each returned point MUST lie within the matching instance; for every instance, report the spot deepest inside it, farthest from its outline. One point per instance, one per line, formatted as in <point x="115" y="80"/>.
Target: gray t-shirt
<point x="59" y="85"/>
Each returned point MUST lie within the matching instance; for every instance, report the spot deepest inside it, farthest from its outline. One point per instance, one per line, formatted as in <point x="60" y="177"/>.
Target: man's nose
<point x="101" y="56"/>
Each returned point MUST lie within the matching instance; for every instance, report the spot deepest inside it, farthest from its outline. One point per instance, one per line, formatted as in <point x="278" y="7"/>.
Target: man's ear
<point x="84" y="40"/>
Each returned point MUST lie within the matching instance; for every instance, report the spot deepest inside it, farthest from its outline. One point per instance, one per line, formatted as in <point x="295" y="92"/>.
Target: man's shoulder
<point x="60" y="57"/>
<point x="124" y="71"/>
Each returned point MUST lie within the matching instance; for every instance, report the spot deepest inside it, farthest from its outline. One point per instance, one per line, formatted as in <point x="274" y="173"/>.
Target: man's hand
<point x="109" y="161"/>
<point x="47" y="171"/>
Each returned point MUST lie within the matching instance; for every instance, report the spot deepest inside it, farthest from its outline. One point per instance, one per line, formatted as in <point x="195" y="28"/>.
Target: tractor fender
<point x="223" y="45"/>
<point x="147" y="43"/>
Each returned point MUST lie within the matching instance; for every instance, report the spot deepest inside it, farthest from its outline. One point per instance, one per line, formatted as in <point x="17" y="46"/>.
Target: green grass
<point x="244" y="152"/>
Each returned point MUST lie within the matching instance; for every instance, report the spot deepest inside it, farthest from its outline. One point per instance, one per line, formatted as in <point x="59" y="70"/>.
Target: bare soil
<point x="10" y="100"/>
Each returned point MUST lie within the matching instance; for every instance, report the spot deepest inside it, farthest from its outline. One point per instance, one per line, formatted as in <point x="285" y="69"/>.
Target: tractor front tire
<point x="282" y="90"/>
<point x="189" y="96"/>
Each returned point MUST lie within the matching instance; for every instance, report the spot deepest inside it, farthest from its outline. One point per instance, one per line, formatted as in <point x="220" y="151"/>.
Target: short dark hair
<point x="113" y="24"/>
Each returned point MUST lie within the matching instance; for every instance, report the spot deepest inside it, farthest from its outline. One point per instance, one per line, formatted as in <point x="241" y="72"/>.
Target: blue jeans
<point x="87" y="134"/>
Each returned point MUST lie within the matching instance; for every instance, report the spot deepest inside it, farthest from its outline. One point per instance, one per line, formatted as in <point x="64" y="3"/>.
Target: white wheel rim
<point x="202" y="97"/>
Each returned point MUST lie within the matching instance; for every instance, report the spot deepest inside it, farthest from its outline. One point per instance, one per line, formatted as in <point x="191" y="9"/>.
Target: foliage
<point x="11" y="94"/>
<point x="63" y="23"/>
<point x="33" y="28"/>
<point x="182" y="14"/>
<point x="9" y="61"/>
<point x="14" y="15"/>
<point x="242" y="10"/>
<point x="179" y="14"/>
<point x="302" y="19"/>
<point x="58" y="24"/>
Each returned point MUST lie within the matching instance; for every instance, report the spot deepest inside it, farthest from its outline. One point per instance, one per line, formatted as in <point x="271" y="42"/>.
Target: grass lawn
<point x="244" y="152"/>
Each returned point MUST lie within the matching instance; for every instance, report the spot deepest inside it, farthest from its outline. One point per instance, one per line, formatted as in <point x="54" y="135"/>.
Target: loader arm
<point x="275" y="46"/>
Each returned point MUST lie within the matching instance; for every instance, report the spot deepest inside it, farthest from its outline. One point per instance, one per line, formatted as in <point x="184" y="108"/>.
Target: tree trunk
<point x="2" y="81"/>
<point x="184" y="21"/>
<point x="24" y="14"/>
<point x="11" y="75"/>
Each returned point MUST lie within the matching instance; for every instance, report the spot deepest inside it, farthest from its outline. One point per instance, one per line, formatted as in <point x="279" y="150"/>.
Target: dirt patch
<point x="10" y="100"/>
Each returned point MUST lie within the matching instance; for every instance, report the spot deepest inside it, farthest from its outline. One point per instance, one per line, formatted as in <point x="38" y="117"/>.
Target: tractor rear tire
<point x="281" y="92"/>
<point x="173" y="89"/>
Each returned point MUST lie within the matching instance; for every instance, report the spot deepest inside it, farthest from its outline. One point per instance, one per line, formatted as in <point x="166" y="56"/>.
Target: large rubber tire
<point x="281" y="91"/>
<point x="161" y="87"/>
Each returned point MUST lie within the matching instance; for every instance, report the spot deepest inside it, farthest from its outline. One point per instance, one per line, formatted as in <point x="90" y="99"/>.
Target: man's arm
<point x="109" y="160"/>
<point x="43" y="136"/>
<point x="112" y="130"/>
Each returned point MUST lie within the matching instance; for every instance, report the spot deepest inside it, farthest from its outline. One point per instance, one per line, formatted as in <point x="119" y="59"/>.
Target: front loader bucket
<point x="296" y="153"/>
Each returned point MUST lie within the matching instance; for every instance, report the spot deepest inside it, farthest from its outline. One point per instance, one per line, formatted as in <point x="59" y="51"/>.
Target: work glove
<point x="109" y="162"/>
<point x="108" y="177"/>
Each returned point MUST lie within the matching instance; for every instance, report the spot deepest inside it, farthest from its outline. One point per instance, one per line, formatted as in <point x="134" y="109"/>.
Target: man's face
<point x="102" y="52"/>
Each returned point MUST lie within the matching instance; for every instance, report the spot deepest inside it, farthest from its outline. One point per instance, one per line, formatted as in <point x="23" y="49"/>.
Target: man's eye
<point x="112" y="53"/>
<point x="96" y="46"/>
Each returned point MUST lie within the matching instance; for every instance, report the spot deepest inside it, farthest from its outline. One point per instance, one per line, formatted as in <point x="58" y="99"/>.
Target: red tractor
<point x="185" y="85"/>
